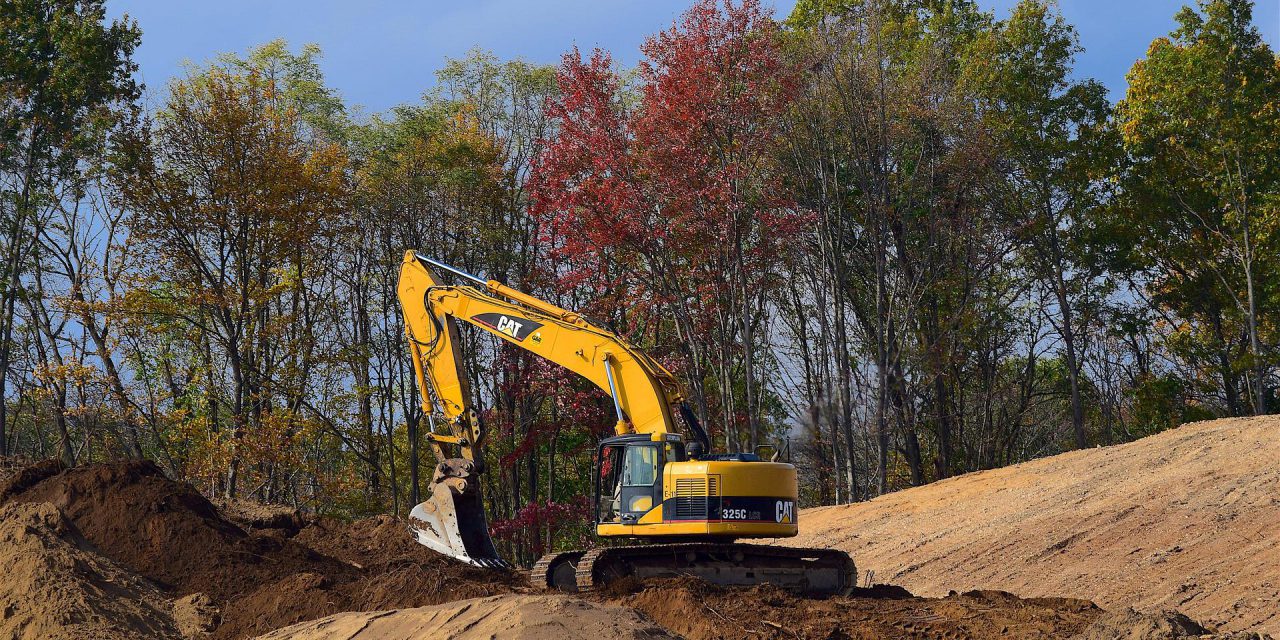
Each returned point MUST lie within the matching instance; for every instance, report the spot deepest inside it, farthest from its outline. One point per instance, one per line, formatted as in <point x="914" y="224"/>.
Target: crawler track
<point x="556" y="571"/>
<point x="809" y="571"/>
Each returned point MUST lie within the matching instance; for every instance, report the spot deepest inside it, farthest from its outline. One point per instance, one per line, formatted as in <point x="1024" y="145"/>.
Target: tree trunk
<point x="12" y="277"/>
<point x="1069" y="344"/>
<point x="1255" y="345"/>
<point x="844" y="386"/>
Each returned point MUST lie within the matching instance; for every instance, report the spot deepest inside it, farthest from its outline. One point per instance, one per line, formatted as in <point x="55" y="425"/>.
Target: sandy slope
<point x="1188" y="519"/>
<point x="54" y="586"/>
<point x="532" y="617"/>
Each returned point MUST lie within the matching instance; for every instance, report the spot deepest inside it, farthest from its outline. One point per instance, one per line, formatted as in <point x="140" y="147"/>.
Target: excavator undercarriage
<point x="808" y="571"/>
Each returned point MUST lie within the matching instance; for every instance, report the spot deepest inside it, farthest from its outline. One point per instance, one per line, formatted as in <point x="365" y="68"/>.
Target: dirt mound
<point x="168" y="532"/>
<point x="15" y="478"/>
<point x="255" y="580"/>
<point x="397" y="571"/>
<point x="531" y="617"/>
<point x="384" y="569"/>
<point x="700" y="611"/>
<point x="250" y="515"/>
<point x="55" y="586"/>
<point x="1187" y="519"/>
<point x="1166" y="625"/>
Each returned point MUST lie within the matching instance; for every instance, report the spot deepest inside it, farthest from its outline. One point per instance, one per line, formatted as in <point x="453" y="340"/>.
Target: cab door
<point x="629" y="482"/>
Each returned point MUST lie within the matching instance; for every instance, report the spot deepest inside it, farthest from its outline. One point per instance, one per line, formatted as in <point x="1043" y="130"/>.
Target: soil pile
<point x="251" y="516"/>
<point x="382" y="568"/>
<point x="169" y="533"/>
<point x="55" y="586"/>
<point x="16" y="478"/>
<point x="250" y="581"/>
<point x="506" y="617"/>
<point x="1184" y="520"/>
<point x="699" y="611"/>
<point x="397" y="571"/>
<point x="1166" y="625"/>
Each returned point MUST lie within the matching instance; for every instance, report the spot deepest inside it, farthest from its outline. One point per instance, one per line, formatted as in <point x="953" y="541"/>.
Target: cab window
<point x="608" y="491"/>
<point x="673" y="451"/>
<point x="641" y="468"/>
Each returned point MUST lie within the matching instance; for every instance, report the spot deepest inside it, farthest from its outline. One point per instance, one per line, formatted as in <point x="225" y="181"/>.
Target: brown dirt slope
<point x="54" y="586"/>
<point x="384" y="569"/>
<point x="168" y="532"/>
<point x="1187" y="520"/>
<point x="505" y="617"/>
<point x="254" y="580"/>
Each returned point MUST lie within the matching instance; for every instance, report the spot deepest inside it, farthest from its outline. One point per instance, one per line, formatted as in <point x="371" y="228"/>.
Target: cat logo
<point x="508" y="326"/>
<point x="784" y="511"/>
<point x="515" y="328"/>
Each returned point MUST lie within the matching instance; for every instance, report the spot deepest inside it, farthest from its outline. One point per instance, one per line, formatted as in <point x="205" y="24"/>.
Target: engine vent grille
<point x="691" y="487"/>
<point x="693" y="498"/>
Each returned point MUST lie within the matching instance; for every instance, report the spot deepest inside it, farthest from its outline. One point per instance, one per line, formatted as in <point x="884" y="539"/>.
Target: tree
<point x="674" y="201"/>
<point x="65" y="82"/>
<point x="447" y="176"/>
<point x="1054" y="150"/>
<point x="236" y="211"/>
<point x="1199" y="217"/>
<point x="888" y="148"/>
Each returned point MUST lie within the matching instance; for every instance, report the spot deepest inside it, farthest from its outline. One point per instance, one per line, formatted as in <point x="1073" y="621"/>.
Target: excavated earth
<point x="55" y="586"/>
<point x="1188" y="520"/>
<point x="120" y="551"/>
<point x="228" y="579"/>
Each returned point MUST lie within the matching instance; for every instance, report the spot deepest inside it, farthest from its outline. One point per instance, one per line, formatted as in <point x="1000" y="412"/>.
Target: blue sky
<point x="380" y="53"/>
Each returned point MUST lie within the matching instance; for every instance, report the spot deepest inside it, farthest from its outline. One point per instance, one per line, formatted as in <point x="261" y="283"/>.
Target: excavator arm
<point x="644" y="394"/>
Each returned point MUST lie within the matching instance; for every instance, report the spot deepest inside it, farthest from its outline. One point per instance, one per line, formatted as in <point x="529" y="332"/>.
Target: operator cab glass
<point x="629" y="482"/>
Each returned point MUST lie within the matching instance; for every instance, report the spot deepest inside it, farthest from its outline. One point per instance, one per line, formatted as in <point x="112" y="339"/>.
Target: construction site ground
<point x="1188" y="519"/>
<point x="1116" y="542"/>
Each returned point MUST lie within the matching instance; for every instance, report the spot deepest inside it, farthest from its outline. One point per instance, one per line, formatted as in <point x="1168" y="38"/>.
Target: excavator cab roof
<point x="642" y="437"/>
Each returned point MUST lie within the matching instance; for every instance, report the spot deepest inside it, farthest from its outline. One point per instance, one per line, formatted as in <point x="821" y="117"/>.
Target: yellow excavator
<point x="685" y="505"/>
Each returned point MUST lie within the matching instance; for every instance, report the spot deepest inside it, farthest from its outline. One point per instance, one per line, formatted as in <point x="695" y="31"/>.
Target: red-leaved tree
<point x="663" y="204"/>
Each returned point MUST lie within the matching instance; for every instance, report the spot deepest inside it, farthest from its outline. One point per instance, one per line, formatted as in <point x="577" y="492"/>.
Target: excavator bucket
<point x="452" y="520"/>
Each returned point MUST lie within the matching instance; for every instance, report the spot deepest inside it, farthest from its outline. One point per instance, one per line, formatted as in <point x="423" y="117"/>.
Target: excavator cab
<point x="629" y="478"/>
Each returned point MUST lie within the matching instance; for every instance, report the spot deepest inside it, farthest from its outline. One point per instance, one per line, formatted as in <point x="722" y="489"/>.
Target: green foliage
<point x="65" y="80"/>
<point x="65" y="84"/>
<point x="1160" y="403"/>
<point x="1198" y="216"/>
<point x="300" y="83"/>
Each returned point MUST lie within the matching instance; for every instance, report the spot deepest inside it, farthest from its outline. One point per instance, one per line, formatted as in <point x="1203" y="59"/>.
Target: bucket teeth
<point x="452" y="520"/>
